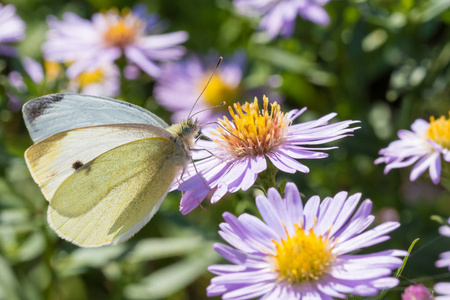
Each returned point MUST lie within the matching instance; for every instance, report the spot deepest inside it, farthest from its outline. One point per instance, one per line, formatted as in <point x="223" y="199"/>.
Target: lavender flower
<point x="443" y="288"/>
<point x="279" y="15"/>
<point x="185" y="80"/>
<point x="303" y="252"/>
<point x="240" y="148"/>
<point x="103" y="81"/>
<point x="416" y="292"/>
<point x="12" y="29"/>
<point x="425" y="144"/>
<point x="90" y="44"/>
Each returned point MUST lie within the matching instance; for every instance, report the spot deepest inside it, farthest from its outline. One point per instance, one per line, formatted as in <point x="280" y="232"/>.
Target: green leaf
<point x="433" y="9"/>
<point x="148" y="249"/>
<point x="32" y="247"/>
<point x="83" y="258"/>
<point x="151" y="249"/>
<point x="399" y="270"/>
<point x="173" y="278"/>
<point x="295" y="63"/>
<point x="9" y="285"/>
<point x="374" y="40"/>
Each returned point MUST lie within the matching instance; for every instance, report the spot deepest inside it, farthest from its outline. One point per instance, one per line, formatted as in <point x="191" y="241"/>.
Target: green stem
<point x="445" y="175"/>
<point x="399" y="270"/>
<point x="266" y="179"/>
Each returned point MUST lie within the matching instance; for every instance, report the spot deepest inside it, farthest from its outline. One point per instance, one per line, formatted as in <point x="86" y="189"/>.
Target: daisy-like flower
<point x="443" y="288"/>
<point x="278" y="16"/>
<point x="186" y="80"/>
<point x="425" y="144"/>
<point x="103" y="81"/>
<point x="416" y="292"/>
<point x="90" y="44"/>
<point x="12" y="29"/>
<point x="303" y="252"/>
<point x="241" y="146"/>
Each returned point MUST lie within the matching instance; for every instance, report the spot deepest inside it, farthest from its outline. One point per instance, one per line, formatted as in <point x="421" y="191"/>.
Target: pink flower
<point x="416" y="292"/>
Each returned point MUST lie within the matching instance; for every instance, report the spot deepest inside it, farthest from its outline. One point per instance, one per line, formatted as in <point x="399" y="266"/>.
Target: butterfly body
<point x="104" y="165"/>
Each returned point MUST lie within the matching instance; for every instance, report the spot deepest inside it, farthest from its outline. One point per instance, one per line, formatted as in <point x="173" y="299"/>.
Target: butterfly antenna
<point x="206" y="85"/>
<point x="211" y="107"/>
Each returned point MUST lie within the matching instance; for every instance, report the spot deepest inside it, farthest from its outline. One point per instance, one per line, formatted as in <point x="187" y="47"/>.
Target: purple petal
<point x="136" y="56"/>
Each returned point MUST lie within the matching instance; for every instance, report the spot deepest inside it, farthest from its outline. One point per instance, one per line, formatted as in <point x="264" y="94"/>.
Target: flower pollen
<point x="303" y="257"/>
<point x="53" y="70"/>
<point x="88" y="78"/>
<point x="439" y="131"/>
<point x="251" y="131"/>
<point x="123" y="29"/>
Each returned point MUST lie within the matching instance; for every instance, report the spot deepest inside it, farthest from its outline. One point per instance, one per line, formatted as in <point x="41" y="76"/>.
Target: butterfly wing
<point x="48" y="115"/>
<point x="110" y="198"/>
<point x="54" y="159"/>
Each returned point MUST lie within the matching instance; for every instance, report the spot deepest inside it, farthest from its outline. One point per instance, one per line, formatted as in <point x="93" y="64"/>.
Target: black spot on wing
<point x="76" y="165"/>
<point x="36" y="108"/>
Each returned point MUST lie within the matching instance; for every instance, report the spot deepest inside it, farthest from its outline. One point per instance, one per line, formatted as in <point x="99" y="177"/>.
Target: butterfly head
<point x="186" y="131"/>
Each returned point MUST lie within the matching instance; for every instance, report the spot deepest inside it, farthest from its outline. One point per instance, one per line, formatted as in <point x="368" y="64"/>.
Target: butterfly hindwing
<point x="110" y="198"/>
<point x="54" y="159"/>
<point x="51" y="114"/>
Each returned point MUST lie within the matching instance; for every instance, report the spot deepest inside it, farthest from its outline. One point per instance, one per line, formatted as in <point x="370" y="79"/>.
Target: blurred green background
<point x="383" y="62"/>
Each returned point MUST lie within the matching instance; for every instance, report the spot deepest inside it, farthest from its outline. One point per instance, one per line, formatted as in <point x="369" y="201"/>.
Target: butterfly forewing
<point x="55" y="113"/>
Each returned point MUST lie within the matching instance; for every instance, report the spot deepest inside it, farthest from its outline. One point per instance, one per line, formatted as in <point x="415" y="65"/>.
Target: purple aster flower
<point x="303" y="252"/>
<point x="278" y="16"/>
<point x="416" y="292"/>
<point x="90" y="44"/>
<point x="425" y="144"/>
<point x="102" y="81"/>
<point x="186" y="80"/>
<point x="36" y="72"/>
<point x="240" y="149"/>
<point x="443" y="288"/>
<point x="12" y="29"/>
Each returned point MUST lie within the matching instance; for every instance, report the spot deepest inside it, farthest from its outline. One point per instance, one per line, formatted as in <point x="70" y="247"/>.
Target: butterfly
<point x="103" y="165"/>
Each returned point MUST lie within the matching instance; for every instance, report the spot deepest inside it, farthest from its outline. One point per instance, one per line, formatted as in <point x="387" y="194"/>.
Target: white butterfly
<point x="104" y="165"/>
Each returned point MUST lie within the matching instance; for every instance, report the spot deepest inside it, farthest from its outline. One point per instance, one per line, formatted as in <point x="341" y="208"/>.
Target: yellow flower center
<point x="219" y="91"/>
<point x="303" y="256"/>
<point x="88" y="78"/>
<point x="52" y="69"/>
<point x="251" y="131"/>
<point x="439" y="131"/>
<point x="123" y="29"/>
